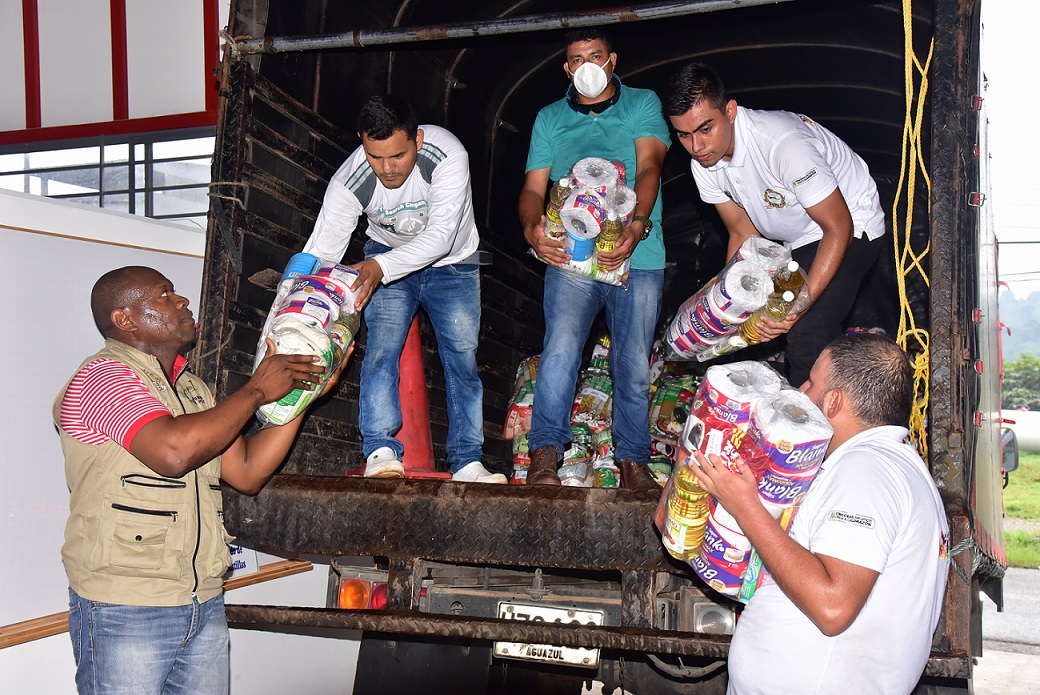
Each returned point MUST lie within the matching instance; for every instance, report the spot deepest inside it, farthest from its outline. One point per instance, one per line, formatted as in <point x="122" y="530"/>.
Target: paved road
<point x="1010" y="663"/>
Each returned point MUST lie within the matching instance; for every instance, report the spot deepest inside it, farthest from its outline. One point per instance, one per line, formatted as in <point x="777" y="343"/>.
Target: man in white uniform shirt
<point x="413" y="184"/>
<point x="855" y="591"/>
<point x="785" y="177"/>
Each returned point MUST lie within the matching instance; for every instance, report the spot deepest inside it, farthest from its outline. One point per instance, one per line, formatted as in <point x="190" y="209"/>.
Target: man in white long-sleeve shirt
<point x="413" y="184"/>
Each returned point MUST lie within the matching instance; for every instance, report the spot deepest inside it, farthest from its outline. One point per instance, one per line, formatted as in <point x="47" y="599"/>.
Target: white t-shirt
<point x="426" y="221"/>
<point x="783" y="163"/>
<point x="872" y="504"/>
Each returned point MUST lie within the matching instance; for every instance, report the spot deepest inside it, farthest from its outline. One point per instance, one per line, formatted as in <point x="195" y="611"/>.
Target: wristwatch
<point x="648" y="224"/>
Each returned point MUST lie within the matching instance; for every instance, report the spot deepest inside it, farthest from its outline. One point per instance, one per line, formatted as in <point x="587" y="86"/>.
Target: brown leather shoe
<point x="544" y="462"/>
<point x="636" y="476"/>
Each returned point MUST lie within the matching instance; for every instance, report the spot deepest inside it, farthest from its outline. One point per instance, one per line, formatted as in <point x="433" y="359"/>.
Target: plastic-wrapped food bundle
<point x="521" y="450"/>
<point x="706" y="324"/>
<point x="578" y="206"/>
<point x="717" y="309"/>
<point x="575" y="474"/>
<point x="741" y="410"/>
<point x="593" y="400"/>
<point x="605" y="477"/>
<point x="580" y="450"/>
<point x="518" y="415"/>
<point x="720" y="414"/>
<point x="312" y="314"/>
<point x="671" y="406"/>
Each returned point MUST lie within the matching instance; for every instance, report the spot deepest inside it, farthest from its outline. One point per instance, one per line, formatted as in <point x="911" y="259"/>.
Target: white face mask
<point x="590" y="80"/>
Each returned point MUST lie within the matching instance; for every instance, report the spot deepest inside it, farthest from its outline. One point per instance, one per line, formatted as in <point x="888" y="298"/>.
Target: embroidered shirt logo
<point x="774" y="199"/>
<point x="731" y="197"/>
<point x="849" y="518"/>
<point x="806" y="119"/>
<point x="803" y="178"/>
<point x="159" y="382"/>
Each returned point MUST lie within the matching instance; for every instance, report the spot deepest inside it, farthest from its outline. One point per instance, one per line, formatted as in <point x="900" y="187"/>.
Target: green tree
<point x="1022" y="383"/>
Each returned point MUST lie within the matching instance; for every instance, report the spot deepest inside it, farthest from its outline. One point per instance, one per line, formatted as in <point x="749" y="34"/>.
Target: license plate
<point x="548" y="653"/>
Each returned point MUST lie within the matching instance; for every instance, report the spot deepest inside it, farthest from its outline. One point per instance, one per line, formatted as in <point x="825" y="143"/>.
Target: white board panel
<point x="166" y="72"/>
<point x="48" y="332"/>
<point x="12" y="74"/>
<point x="75" y="62"/>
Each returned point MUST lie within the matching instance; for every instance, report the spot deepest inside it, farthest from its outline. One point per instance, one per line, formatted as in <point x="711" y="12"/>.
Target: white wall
<point x="262" y="663"/>
<point x="53" y="253"/>
<point x="271" y="663"/>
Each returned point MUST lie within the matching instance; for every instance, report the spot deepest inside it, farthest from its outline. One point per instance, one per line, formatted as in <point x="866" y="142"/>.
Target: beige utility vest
<point x="135" y="537"/>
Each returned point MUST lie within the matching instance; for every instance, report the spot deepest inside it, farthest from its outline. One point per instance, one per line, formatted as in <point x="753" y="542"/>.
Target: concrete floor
<point x="1007" y="673"/>
<point x="1010" y="662"/>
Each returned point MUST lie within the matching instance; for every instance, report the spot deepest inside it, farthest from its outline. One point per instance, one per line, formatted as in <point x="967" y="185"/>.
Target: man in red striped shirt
<point x="145" y="449"/>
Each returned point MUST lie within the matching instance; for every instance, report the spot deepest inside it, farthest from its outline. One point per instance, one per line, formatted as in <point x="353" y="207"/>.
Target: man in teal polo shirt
<point x="599" y="117"/>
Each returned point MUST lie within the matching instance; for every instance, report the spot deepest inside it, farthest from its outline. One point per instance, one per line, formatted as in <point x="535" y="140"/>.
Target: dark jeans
<point x="826" y="317"/>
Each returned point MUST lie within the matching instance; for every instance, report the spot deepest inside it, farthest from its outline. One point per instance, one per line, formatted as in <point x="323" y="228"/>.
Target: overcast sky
<point x="1011" y="61"/>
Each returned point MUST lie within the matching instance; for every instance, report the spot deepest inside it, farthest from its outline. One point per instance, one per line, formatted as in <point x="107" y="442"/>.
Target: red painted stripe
<point x="211" y="45"/>
<point x="90" y="130"/>
<point x="120" y="80"/>
<point x="31" y="48"/>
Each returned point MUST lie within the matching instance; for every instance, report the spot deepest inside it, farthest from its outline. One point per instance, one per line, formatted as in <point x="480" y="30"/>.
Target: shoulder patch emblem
<point x="849" y="518"/>
<point x="806" y="119"/>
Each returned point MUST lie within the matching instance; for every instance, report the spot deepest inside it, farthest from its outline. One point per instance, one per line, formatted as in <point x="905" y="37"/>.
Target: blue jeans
<point x="571" y="304"/>
<point x="149" y="650"/>
<point x="451" y="297"/>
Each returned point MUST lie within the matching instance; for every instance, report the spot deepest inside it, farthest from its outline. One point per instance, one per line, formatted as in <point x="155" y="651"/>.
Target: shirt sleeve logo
<point x="804" y="177"/>
<point x="850" y="518"/>
<point x="731" y="197"/>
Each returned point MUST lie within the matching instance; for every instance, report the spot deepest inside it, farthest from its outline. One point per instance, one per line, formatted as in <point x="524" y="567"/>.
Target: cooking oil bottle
<point x="687" y="514"/>
<point x="608" y="233"/>
<point x="557" y="197"/>
<point x="776" y="307"/>
<point x="788" y="277"/>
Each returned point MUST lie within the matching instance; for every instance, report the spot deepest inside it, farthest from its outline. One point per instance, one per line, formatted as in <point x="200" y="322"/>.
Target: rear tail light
<point x="378" y="600"/>
<point x="361" y="594"/>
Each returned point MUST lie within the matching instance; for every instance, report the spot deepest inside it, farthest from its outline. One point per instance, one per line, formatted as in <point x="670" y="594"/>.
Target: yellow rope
<point x="911" y="338"/>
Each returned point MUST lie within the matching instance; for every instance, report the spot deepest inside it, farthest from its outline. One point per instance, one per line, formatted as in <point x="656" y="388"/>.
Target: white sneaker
<point x="383" y="463"/>
<point x="476" y="473"/>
